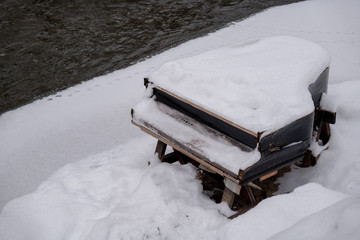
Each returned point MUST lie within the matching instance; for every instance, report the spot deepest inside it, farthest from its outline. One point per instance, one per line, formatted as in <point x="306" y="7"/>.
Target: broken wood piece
<point x="146" y="82"/>
<point x="328" y="116"/>
<point x="253" y="185"/>
<point x="228" y="197"/>
<point x="230" y="190"/>
<point x="183" y="159"/>
<point x="325" y="132"/>
<point x="241" y="174"/>
<point x="176" y="156"/>
<point x="170" y="158"/>
<point x="268" y="175"/>
<point x="234" y="187"/>
<point x="250" y="194"/>
<point x="243" y="210"/>
<point x="160" y="149"/>
<point x="308" y="160"/>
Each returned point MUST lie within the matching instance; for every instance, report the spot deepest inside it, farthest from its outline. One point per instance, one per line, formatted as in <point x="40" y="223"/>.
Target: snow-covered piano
<point x="242" y="111"/>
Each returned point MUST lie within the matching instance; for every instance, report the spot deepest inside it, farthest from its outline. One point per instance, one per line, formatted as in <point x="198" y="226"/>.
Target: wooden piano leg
<point x="228" y="197"/>
<point x="250" y="194"/>
<point x="230" y="190"/>
<point x="160" y="150"/>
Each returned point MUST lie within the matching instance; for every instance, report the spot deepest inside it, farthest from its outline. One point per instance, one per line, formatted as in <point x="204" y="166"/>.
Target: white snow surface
<point x="332" y="228"/>
<point x="261" y="85"/>
<point x="103" y="187"/>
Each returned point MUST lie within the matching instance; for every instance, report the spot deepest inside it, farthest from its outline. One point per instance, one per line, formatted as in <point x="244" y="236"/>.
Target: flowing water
<point x="48" y="45"/>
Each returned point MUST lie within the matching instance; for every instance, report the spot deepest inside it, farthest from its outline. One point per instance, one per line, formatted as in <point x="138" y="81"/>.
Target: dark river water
<point x="48" y="45"/>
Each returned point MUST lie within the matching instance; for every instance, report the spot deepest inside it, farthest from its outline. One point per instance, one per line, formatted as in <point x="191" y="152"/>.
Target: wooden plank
<point x="170" y="158"/>
<point x="250" y="194"/>
<point x="228" y="197"/>
<point x="243" y="210"/>
<point x="208" y="112"/>
<point x="324" y="132"/>
<point x="235" y="188"/>
<point x="160" y="149"/>
<point x="183" y="159"/>
<point x="307" y="159"/>
<point x="211" y="166"/>
<point x="268" y="175"/>
<point x="146" y="82"/>
<point x="328" y="116"/>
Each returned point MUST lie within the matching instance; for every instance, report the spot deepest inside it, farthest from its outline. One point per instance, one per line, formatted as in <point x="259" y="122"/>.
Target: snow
<point x="103" y="187"/>
<point x="114" y="195"/>
<point x="261" y="85"/>
<point x="331" y="227"/>
<point x="279" y="213"/>
<point x="213" y="146"/>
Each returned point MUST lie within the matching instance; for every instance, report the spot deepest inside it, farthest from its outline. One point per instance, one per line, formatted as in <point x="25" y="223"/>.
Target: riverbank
<point x="48" y="46"/>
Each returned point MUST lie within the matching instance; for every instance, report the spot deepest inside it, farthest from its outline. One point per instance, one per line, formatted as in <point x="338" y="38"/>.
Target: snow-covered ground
<point x="108" y="191"/>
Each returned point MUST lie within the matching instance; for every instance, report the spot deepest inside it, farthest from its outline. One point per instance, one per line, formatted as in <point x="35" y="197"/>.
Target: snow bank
<point x="333" y="223"/>
<point x="278" y="213"/>
<point x="261" y="85"/>
<point x="114" y="195"/>
<point x="39" y="138"/>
